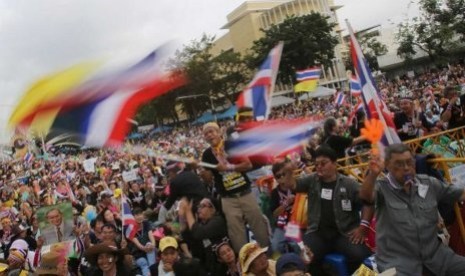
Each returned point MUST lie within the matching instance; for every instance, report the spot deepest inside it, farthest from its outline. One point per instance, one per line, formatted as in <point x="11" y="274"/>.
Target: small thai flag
<point x="308" y="74"/>
<point x="355" y="87"/>
<point x="56" y="171"/>
<point x="28" y="157"/>
<point x="340" y="99"/>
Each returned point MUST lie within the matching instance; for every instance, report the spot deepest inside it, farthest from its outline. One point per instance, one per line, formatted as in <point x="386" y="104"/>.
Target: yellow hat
<point x="3" y="267"/>
<point x="117" y="192"/>
<point x="167" y="242"/>
<point x="248" y="253"/>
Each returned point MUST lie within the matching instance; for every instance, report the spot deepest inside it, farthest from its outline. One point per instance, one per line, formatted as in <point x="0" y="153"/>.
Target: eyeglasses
<point x="400" y="164"/>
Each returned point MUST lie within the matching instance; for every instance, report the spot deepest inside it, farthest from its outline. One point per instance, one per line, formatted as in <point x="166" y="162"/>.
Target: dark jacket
<point x="346" y="189"/>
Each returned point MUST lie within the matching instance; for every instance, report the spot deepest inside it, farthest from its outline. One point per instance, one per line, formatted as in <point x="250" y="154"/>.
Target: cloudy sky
<point x="40" y="37"/>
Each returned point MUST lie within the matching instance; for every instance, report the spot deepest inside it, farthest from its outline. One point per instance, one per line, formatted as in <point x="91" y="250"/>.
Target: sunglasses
<point x="201" y="206"/>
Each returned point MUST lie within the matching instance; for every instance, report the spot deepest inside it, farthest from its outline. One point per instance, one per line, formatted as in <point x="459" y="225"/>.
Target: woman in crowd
<point x="108" y="260"/>
<point x="208" y="228"/>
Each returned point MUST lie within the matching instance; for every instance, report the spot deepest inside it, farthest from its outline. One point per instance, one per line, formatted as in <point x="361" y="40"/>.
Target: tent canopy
<point x="205" y="118"/>
<point x="160" y="129"/>
<point x="320" y="91"/>
<point x="281" y="100"/>
<point x="229" y="113"/>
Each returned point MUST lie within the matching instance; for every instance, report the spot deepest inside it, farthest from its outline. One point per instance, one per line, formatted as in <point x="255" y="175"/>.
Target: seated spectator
<point x="255" y="262"/>
<point x="225" y="255"/>
<point x="333" y="212"/>
<point x="290" y="264"/>
<point x="142" y="246"/>
<point x="169" y="255"/>
<point x="209" y="228"/>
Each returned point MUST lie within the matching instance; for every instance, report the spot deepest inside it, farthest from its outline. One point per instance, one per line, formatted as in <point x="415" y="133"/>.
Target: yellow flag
<point x="306" y="86"/>
<point x="46" y="89"/>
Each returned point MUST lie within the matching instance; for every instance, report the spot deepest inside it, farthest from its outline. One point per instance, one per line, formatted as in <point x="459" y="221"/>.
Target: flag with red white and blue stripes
<point x="355" y="88"/>
<point x="269" y="140"/>
<point x="129" y="223"/>
<point x="258" y="93"/>
<point x="374" y="104"/>
<point x="339" y="99"/>
<point x="308" y="74"/>
<point x="28" y="157"/>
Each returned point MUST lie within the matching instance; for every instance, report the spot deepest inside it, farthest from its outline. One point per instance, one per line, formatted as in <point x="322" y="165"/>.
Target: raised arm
<point x="367" y="191"/>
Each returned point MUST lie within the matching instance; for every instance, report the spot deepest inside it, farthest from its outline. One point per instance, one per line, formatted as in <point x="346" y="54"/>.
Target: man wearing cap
<point x="290" y="264"/>
<point x="169" y="255"/>
<point x="238" y="203"/>
<point x="409" y="122"/>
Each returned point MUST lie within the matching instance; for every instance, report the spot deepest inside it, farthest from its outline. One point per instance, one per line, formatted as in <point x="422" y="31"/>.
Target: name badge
<point x="346" y="205"/>
<point x="292" y="231"/>
<point x="206" y="243"/>
<point x="327" y="194"/>
<point x="422" y="190"/>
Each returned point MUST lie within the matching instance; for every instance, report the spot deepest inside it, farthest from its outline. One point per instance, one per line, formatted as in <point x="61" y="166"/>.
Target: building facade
<point x="246" y="21"/>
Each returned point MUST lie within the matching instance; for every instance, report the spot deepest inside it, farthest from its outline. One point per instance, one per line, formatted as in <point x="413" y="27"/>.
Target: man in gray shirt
<point x="407" y="216"/>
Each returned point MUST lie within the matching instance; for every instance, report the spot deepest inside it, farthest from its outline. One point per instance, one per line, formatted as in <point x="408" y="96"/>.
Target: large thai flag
<point x="374" y="105"/>
<point x="258" y="93"/>
<point x="355" y="87"/>
<point x="273" y="138"/>
<point x="97" y="111"/>
<point x="308" y="74"/>
<point x="129" y="223"/>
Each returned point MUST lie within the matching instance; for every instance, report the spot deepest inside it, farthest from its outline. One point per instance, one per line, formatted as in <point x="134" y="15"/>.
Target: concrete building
<point x="246" y="21"/>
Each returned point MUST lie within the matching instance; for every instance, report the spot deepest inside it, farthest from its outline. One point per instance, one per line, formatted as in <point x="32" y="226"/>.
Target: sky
<point x="41" y="37"/>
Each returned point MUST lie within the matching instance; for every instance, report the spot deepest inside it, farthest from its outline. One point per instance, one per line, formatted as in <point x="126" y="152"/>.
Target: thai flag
<point x="129" y="223"/>
<point x="56" y="172"/>
<point x="97" y="111"/>
<point x="272" y="139"/>
<point x="308" y="74"/>
<point x="71" y="195"/>
<point x="355" y="88"/>
<point x="28" y="157"/>
<point x="374" y="105"/>
<point x="340" y="99"/>
<point x="258" y="93"/>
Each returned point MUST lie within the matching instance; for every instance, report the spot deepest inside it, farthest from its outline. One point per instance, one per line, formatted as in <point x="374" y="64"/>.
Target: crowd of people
<point x="118" y="212"/>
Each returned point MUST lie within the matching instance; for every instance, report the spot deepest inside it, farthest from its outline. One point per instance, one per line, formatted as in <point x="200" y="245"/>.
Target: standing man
<point x="239" y="205"/>
<point x="333" y="212"/>
<point x="407" y="216"/>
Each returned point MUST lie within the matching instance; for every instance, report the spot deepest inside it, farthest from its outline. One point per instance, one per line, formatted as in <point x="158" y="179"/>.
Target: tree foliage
<point x="436" y="31"/>
<point x="308" y="41"/>
<point x="212" y="80"/>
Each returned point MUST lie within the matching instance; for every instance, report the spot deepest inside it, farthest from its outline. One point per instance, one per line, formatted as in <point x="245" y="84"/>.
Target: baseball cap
<point x="289" y="259"/>
<point x="167" y="242"/>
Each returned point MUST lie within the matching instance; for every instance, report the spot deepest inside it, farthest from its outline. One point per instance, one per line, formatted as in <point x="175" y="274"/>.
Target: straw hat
<point x="248" y="253"/>
<point x="92" y="253"/>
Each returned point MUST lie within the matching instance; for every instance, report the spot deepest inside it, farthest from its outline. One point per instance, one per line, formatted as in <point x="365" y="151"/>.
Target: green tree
<point x="432" y="32"/>
<point x="308" y="41"/>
